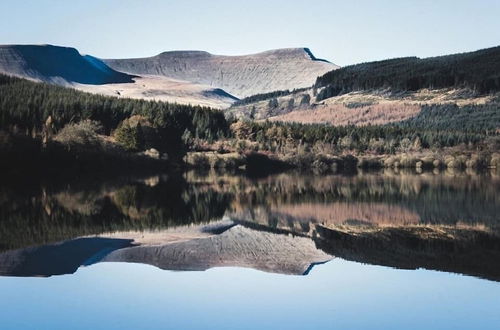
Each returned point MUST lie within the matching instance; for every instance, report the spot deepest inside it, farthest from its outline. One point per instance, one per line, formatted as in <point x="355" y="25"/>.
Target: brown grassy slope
<point x="357" y="108"/>
<point x="339" y="114"/>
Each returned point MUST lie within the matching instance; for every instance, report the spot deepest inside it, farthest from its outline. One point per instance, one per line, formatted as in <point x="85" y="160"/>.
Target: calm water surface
<point x="290" y="251"/>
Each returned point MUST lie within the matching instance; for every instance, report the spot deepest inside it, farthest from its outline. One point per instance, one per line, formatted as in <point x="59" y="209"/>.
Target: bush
<point x="84" y="133"/>
<point x="305" y="100"/>
<point x="130" y="137"/>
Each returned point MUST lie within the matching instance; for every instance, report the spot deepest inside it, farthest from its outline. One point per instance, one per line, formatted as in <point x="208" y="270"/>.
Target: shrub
<point x="130" y="137"/>
<point x="83" y="133"/>
<point x="305" y="100"/>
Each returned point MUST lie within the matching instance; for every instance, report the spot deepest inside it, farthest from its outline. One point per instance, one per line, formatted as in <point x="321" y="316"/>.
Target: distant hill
<point x="240" y="76"/>
<point x="57" y="65"/>
<point x="66" y="66"/>
<point x="478" y="71"/>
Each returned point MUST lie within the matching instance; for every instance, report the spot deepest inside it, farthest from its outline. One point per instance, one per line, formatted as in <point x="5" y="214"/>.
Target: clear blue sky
<point x="344" y="32"/>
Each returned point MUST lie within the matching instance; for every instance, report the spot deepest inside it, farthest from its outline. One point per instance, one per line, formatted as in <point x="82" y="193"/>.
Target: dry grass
<point x="340" y="114"/>
<point x="360" y="108"/>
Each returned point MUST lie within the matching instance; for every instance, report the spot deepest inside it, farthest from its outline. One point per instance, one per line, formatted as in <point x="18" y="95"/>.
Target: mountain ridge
<point x="182" y="76"/>
<point x="57" y="64"/>
<point x="239" y="75"/>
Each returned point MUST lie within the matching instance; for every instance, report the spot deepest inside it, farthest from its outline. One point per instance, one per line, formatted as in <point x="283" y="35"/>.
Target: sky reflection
<point x="339" y="294"/>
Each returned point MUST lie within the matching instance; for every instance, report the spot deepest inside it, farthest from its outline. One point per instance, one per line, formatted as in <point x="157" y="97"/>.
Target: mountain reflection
<point x="282" y="224"/>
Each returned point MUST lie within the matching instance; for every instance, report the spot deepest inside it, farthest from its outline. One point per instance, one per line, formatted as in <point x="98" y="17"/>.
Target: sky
<point x="343" y="32"/>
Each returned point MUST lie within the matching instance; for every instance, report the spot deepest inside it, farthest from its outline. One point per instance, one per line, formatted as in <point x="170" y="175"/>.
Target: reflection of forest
<point x="374" y="198"/>
<point x="45" y="214"/>
<point x="40" y="214"/>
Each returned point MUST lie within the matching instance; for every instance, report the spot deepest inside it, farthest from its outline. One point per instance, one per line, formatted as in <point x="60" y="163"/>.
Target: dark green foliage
<point x="130" y="137"/>
<point x="468" y="118"/>
<point x="172" y="202"/>
<point x="273" y="103"/>
<point x="266" y="96"/>
<point x="25" y="105"/>
<point x="24" y="158"/>
<point x="393" y="135"/>
<point x="305" y="100"/>
<point x="478" y="71"/>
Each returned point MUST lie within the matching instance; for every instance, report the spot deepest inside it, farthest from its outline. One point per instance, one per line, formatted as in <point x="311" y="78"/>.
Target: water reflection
<point x="285" y="223"/>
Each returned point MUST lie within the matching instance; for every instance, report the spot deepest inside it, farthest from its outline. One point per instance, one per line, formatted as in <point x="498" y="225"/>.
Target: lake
<point x="374" y="250"/>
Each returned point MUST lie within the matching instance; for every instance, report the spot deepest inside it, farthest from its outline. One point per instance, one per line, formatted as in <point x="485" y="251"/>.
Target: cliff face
<point x="240" y="76"/>
<point x="57" y="65"/>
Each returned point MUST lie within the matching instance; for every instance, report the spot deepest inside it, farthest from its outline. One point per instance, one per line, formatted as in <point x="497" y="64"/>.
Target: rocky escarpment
<point x="56" y="64"/>
<point x="240" y="76"/>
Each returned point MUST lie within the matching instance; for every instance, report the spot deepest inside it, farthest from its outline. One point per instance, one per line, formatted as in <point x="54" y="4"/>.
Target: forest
<point x="478" y="71"/>
<point x="48" y="127"/>
<point x="26" y="106"/>
<point x="388" y="138"/>
<point x="266" y="96"/>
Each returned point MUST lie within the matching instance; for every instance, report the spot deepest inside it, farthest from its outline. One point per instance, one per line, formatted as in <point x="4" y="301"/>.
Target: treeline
<point x="25" y="106"/>
<point x="478" y="71"/>
<point x="276" y="136"/>
<point x="445" y="117"/>
<point x="266" y="96"/>
<point x="54" y="214"/>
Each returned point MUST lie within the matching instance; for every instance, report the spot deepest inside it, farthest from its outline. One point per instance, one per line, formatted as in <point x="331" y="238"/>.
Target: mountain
<point x="186" y="77"/>
<point x="240" y="76"/>
<point x="66" y="66"/>
<point x="61" y="65"/>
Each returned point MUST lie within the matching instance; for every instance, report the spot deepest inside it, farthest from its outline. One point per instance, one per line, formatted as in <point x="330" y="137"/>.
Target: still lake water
<point x="218" y="251"/>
